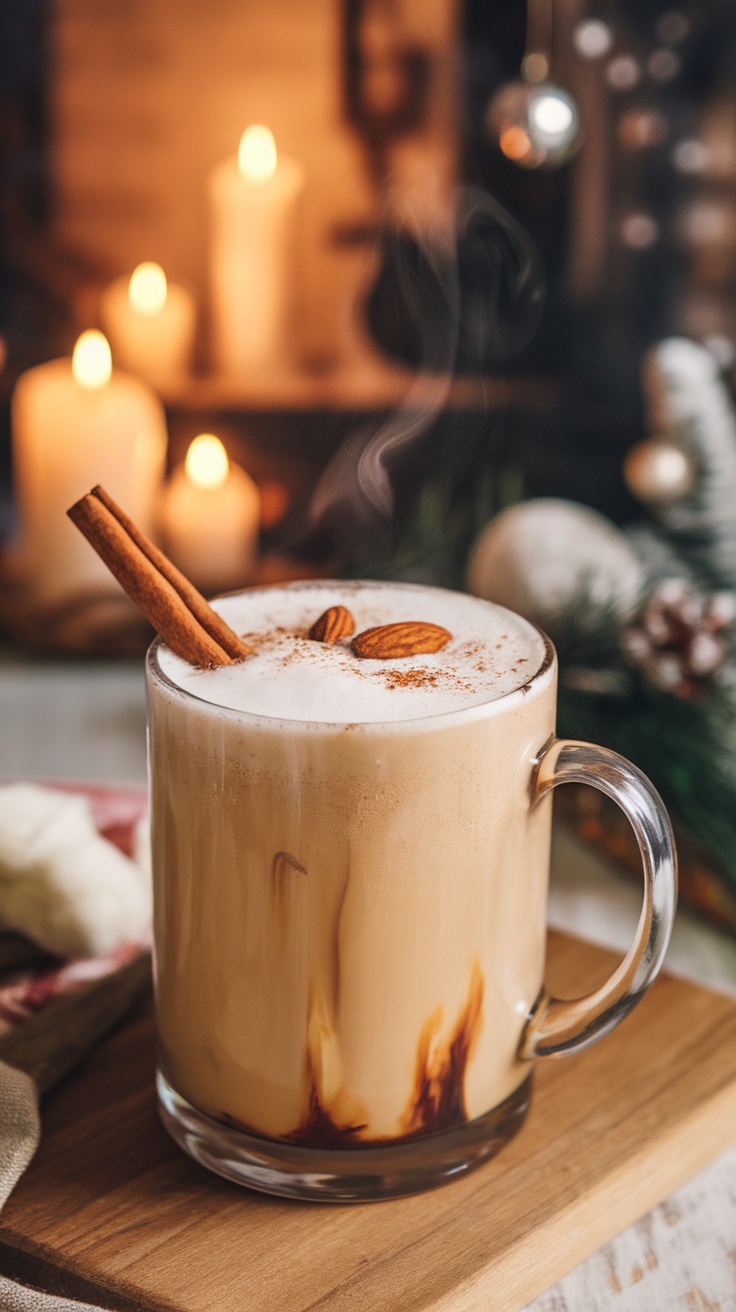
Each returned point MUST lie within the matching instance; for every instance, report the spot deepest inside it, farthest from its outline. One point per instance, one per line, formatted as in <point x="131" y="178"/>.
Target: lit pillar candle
<point x="210" y="516"/>
<point x="77" y="423"/>
<point x="150" y="323"/>
<point x="253" y="207"/>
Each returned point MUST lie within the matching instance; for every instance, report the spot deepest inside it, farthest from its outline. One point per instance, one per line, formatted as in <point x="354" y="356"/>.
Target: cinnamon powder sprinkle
<point x="410" y="678"/>
<point x="417" y="677"/>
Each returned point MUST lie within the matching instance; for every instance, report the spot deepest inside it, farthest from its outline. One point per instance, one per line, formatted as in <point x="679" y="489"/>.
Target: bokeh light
<point x="593" y="38"/>
<point x="639" y="231"/>
<point x="623" y="73"/>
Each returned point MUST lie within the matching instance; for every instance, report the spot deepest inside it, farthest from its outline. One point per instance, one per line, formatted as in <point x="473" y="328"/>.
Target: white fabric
<point x="20" y="1126"/>
<point x="61" y="883"/>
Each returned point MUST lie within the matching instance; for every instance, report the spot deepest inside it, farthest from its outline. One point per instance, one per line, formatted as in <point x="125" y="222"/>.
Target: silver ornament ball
<point x="536" y="126"/>
<point x="659" y="471"/>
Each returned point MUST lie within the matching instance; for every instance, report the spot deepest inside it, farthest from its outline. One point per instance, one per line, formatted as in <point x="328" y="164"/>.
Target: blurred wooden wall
<point x="145" y="97"/>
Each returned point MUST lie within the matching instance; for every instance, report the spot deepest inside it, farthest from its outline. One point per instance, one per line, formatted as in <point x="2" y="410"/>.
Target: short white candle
<point x="210" y="517"/>
<point x="150" y="323"/>
<point x="253" y="210"/>
<point x="77" y="423"/>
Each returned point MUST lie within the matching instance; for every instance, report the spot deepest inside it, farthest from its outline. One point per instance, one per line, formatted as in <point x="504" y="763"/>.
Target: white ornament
<point x="559" y="564"/>
<point x="61" y="883"/>
<point x="659" y="471"/>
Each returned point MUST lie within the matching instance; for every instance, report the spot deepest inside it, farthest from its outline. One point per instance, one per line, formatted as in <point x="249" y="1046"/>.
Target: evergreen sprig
<point x="687" y="748"/>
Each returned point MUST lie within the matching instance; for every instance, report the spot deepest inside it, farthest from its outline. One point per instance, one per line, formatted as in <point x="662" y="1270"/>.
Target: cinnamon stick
<point x="152" y="590"/>
<point x="207" y="617"/>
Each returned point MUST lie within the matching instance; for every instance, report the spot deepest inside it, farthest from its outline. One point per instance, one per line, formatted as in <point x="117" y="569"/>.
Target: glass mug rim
<point x="438" y="719"/>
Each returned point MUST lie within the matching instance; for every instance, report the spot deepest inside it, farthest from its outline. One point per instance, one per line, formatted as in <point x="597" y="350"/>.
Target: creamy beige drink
<point x="350" y="885"/>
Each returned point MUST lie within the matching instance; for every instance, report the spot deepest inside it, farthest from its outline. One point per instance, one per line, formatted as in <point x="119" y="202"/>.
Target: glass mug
<point x="349" y="914"/>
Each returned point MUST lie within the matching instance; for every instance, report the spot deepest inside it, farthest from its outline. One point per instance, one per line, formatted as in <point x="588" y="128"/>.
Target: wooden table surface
<point x="110" y="1209"/>
<point x="680" y="1257"/>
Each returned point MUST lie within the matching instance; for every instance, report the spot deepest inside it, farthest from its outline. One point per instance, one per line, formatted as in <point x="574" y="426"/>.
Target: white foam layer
<point x="493" y="652"/>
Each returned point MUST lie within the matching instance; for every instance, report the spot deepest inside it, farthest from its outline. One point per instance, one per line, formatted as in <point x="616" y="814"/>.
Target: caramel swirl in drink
<point x="343" y="853"/>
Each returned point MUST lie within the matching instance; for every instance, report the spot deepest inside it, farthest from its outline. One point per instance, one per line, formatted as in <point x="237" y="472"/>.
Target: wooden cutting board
<point x="111" y="1212"/>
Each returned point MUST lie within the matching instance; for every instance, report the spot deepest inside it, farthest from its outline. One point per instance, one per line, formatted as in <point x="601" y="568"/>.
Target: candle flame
<point x="206" y="464"/>
<point x="147" y="289"/>
<point x="257" y="155"/>
<point x="92" y="360"/>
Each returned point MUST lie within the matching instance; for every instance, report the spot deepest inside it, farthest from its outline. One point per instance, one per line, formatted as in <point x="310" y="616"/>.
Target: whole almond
<point x="407" y="638"/>
<point x="333" y="624"/>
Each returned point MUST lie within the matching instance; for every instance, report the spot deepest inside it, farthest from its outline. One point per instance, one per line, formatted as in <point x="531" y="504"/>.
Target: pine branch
<point x="688" y="398"/>
<point x="688" y="749"/>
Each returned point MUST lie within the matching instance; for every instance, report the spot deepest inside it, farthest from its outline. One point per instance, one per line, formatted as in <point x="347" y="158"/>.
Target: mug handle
<point x="555" y="1026"/>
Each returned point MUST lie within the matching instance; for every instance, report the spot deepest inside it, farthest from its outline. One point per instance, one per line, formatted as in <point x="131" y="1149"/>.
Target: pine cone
<point x="678" y="642"/>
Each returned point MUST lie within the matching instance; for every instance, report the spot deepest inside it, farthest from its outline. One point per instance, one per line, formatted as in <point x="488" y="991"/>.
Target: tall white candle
<point x="77" y="423"/>
<point x="210" y="517"/>
<point x="150" y="323"/>
<point x="253" y="211"/>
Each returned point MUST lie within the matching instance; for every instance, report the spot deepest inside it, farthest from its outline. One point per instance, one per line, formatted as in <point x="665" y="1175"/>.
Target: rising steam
<point x="463" y="302"/>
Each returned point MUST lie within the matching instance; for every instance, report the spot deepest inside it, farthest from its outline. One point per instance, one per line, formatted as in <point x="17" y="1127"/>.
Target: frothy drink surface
<point x="350" y="886"/>
<point x="492" y="652"/>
